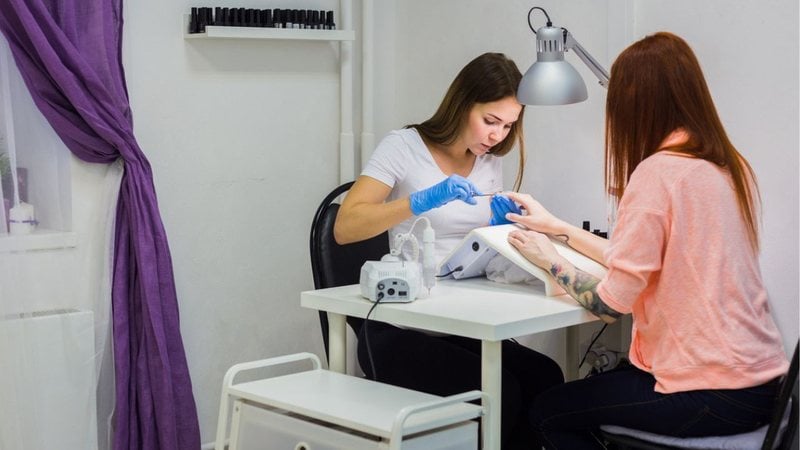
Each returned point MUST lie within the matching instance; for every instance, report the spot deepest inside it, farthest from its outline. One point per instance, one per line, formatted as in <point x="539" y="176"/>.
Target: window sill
<point x="39" y="240"/>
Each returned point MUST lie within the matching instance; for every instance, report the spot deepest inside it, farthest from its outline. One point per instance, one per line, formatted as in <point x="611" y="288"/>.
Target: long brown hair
<point x="489" y="77"/>
<point x="656" y="87"/>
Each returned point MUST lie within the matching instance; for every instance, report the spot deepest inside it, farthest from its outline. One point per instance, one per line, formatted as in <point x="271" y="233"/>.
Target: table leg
<point x="571" y="372"/>
<point x="491" y="385"/>
<point x="337" y="342"/>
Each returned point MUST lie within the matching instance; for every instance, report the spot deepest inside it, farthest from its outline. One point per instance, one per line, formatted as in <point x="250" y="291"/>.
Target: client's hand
<point x="502" y="205"/>
<point x="454" y="187"/>
<point x="537" y="218"/>
<point x="536" y="247"/>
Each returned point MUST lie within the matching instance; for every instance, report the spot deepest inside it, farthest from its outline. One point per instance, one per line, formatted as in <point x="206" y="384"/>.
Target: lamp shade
<point x="551" y="80"/>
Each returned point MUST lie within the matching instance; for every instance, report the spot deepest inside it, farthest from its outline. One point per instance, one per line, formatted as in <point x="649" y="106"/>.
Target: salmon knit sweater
<point x="680" y="262"/>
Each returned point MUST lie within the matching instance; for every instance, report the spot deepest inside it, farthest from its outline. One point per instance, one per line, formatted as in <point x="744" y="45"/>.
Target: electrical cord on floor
<point x="366" y="341"/>
<point x="591" y="344"/>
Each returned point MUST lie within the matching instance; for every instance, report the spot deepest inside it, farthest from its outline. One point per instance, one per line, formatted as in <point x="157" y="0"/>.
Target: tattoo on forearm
<point x="583" y="288"/>
<point x="563" y="238"/>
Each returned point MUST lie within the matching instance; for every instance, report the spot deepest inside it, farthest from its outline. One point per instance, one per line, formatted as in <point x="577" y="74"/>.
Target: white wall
<point x="243" y="139"/>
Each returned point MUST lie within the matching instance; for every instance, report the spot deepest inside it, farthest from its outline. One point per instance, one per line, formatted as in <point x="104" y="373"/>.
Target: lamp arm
<point x="591" y="63"/>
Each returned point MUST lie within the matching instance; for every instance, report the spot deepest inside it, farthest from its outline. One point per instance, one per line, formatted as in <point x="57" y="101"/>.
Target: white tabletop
<point x="475" y="308"/>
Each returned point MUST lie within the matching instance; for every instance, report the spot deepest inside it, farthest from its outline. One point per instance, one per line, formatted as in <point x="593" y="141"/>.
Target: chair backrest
<point x="787" y="392"/>
<point x="338" y="265"/>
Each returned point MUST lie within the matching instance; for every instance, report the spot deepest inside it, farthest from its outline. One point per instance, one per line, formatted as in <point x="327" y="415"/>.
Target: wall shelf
<point x="217" y="32"/>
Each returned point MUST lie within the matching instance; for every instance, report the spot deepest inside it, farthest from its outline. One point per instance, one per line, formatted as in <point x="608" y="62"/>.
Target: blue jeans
<point x="568" y="416"/>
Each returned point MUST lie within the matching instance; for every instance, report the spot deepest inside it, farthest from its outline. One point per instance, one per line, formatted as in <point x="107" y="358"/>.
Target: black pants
<point x="450" y="365"/>
<point x="568" y="416"/>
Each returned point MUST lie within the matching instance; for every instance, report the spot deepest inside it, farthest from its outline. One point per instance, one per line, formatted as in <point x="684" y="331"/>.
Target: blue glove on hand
<point x="455" y="187"/>
<point x="502" y="205"/>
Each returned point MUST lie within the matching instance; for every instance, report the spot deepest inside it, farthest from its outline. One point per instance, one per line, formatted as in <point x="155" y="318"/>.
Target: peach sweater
<point x="679" y="260"/>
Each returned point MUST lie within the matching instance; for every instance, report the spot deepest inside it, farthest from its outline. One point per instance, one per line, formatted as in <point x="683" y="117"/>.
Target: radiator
<point x="47" y="381"/>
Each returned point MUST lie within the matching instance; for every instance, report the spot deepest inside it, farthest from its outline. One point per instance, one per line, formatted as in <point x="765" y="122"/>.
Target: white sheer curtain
<point x="56" y="364"/>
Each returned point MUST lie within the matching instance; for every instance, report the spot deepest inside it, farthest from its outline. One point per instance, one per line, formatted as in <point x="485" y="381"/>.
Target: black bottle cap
<point x="586" y="225"/>
<point x="301" y="19"/>
<point x="217" y="16"/>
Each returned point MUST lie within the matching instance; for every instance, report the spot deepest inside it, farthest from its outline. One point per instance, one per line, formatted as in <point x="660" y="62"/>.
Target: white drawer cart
<point x="319" y="409"/>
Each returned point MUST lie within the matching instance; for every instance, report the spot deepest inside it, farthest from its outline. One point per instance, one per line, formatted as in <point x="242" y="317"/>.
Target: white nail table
<point x="475" y="308"/>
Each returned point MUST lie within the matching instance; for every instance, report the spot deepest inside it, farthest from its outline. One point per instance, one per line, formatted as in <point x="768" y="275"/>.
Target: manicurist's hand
<point x="534" y="246"/>
<point x="502" y="205"/>
<point x="454" y="187"/>
<point x="537" y="218"/>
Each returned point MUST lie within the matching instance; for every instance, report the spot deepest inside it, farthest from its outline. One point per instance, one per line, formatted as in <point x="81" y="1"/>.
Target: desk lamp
<point x="551" y="80"/>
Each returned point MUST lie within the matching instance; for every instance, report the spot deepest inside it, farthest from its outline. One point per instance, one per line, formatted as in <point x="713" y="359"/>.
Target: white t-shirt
<point x="403" y="162"/>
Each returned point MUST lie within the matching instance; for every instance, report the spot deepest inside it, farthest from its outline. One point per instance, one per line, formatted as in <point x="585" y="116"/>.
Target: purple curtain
<point x="69" y="54"/>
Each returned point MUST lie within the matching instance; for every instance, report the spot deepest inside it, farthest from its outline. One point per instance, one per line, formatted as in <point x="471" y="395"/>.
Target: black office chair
<point x="338" y="265"/>
<point x="625" y="439"/>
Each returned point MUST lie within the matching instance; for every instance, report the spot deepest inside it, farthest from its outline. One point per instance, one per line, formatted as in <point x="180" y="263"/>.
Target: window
<point x="42" y="162"/>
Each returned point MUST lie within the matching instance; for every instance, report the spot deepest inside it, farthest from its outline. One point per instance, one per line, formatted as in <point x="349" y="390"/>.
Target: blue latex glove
<point x="455" y="187"/>
<point x="502" y="205"/>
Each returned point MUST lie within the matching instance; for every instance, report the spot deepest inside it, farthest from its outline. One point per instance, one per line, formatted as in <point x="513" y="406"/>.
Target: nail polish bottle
<point x="201" y="20"/>
<point x="226" y="17"/>
<point x="288" y="18"/>
<point x="329" y="23"/>
<point x="254" y="18"/>
<point x="276" y="18"/>
<point x="268" y="18"/>
<point x="296" y="19"/>
<point x="315" y="19"/>
<point x="193" y="25"/>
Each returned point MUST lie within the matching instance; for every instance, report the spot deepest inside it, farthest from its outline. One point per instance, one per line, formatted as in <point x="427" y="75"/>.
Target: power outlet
<point x="600" y="359"/>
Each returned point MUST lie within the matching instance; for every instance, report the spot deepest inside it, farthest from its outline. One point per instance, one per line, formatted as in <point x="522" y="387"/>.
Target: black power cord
<point x="591" y="344"/>
<point x="366" y="326"/>
<point x="366" y="341"/>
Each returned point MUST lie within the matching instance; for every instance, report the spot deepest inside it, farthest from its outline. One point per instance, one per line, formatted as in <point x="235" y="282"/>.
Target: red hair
<point x="657" y="87"/>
